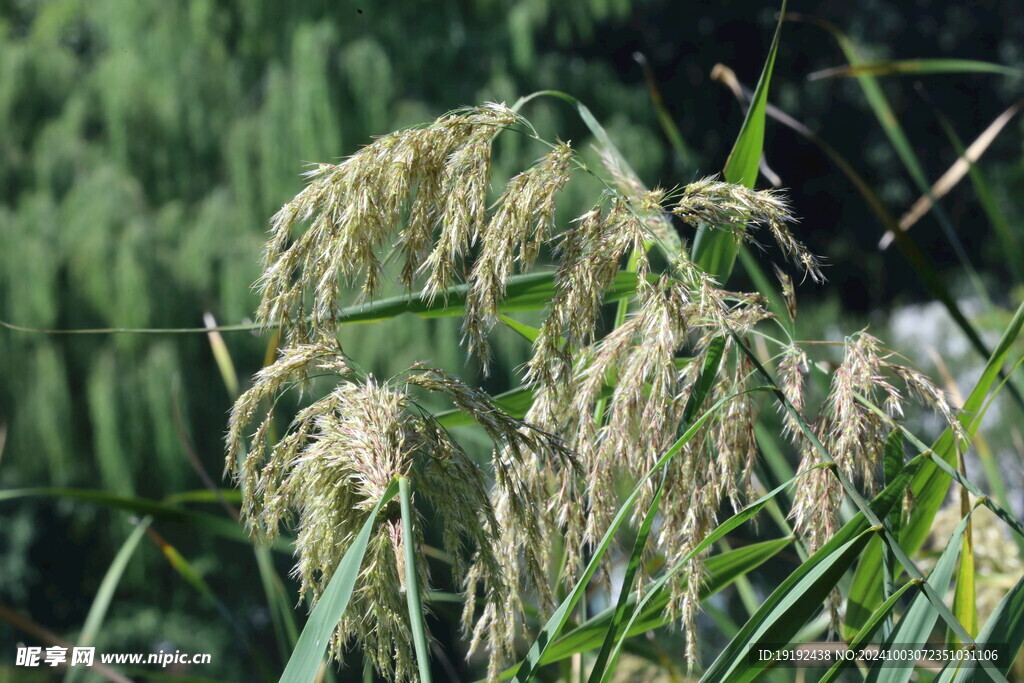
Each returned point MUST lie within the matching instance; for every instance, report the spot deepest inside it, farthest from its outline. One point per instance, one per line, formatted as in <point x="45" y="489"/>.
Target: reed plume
<point x="607" y="403"/>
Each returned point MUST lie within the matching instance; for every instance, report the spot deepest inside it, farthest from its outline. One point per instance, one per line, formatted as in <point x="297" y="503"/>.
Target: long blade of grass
<point x="312" y="644"/>
<point x="412" y="584"/>
<point x="776" y="302"/>
<point x="701" y="388"/>
<point x="965" y="607"/>
<point x="993" y="475"/>
<point x="782" y="611"/>
<point x="914" y="67"/>
<point x="742" y="163"/>
<point x="797" y="606"/>
<point x="721" y="571"/>
<point x="917" y="623"/>
<point x="965" y="604"/>
<point x="715" y="250"/>
<point x="1005" y="627"/>
<point x="1013" y="250"/>
<point x="997" y="217"/>
<point x="880" y="616"/>
<point x="892" y="464"/>
<point x="530" y="292"/>
<point x="200" y="521"/>
<point x="105" y="593"/>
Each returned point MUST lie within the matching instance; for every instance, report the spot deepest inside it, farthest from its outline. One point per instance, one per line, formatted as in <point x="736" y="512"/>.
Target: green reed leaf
<point x="917" y="623"/>
<point x="783" y="614"/>
<point x="316" y="635"/>
<point x="105" y="593"/>
<point x="412" y="583"/>
<point x="715" y="250"/>
<point x="915" y="67"/>
<point x="881" y="615"/>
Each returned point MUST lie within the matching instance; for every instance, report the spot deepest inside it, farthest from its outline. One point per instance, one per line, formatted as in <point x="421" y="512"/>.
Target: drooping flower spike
<point x="336" y="460"/>
<point x="606" y="404"/>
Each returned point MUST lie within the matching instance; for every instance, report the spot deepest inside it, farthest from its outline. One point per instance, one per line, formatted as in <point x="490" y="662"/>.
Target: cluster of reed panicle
<point x="853" y="432"/>
<point x="605" y="407"/>
<point x="591" y="251"/>
<point x="621" y="403"/>
<point x="435" y="176"/>
<point x="736" y="208"/>
<point x="337" y="459"/>
<point x="422" y="193"/>
<point x="864" y="398"/>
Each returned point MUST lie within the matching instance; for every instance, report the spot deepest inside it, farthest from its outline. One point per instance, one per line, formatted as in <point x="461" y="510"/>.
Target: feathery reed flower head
<point x="590" y="253"/>
<point x="440" y="174"/>
<point x="620" y="401"/>
<point x="631" y="187"/>
<point x="604" y="407"/>
<point x="852" y="431"/>
<point x="722" y="205"/>
<point x="518" y="227"/>
<point x="334" y="464"/>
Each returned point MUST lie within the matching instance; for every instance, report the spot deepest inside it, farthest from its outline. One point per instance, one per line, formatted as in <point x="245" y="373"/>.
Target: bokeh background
<point x="144" y="144"/>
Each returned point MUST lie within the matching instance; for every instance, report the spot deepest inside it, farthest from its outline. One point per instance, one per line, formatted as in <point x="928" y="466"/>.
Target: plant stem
<point x="412" y="587"/>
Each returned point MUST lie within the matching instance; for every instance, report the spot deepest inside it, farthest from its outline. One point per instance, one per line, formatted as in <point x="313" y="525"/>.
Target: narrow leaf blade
<point x="312" y="644"/>
<point x="715" y="250"/>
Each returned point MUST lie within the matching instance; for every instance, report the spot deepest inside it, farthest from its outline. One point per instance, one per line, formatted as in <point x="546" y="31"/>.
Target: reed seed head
<point x="605" y="406"/>
<point x="439" y="174"/>
<point x="716" y="204"/>
<point x="851" y="427"/>
<point x="336" y="460"/>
